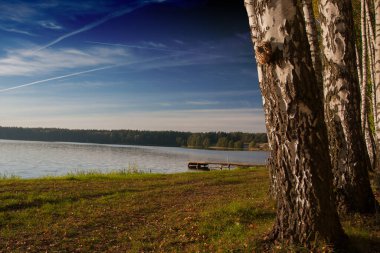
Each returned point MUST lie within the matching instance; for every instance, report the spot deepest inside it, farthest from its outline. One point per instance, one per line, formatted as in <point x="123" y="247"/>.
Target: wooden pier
<point x="217" y="165"/>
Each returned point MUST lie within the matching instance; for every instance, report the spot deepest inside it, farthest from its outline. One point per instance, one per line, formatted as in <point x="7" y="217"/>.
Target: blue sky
<point x="139" y="64"/>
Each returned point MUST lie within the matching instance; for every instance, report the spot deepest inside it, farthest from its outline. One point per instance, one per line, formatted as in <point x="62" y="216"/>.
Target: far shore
<point x="265" y="148"/>
<point x="262" y="147"/>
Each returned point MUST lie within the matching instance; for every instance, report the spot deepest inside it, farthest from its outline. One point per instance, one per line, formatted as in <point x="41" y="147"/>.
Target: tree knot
<point x="263" y="52"/>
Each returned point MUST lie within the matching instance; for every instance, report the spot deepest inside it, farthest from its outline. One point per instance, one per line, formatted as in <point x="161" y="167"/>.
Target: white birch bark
<point x="370" y="23"/>
<point x="358" y="65"/>
<point x="377" y="80"/>
<point x="348" y="151"/>
<point x="369" y="142"/>
<point x="371" y="58"/>
<point x="363" y="111"/>
<point x="312" y="37"/>
<point x="371" y="98"/>
<point x="299" y="161"/>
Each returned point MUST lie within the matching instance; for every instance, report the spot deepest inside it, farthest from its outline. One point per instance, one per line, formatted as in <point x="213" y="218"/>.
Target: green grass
<point x="221" y="211"/>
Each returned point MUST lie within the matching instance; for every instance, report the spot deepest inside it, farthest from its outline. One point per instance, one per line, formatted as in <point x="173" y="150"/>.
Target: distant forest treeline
<point x="236" y="140"/>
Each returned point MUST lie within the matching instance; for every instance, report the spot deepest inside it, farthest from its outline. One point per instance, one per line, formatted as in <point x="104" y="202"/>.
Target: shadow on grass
<point x="364" y="244"/>
<point x="221" y="181"/>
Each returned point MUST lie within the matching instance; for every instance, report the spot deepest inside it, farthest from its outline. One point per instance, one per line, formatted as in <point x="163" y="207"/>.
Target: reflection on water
<point x="34" y="159"/>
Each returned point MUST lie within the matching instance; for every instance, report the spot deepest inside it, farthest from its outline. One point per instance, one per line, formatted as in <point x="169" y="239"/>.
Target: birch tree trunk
<point x="358" y="65"/>
<point x="368" y="137"/>
<point x="312" y="37"/>
<point x="371" y="58"/>
<point x="370" y="142"/>
<point x="371" y="98"/>
<point x="299" y="163"/>
<point x="377" y="80"/>
<point x="364" y="67"/>
<point x="342" y="106"/>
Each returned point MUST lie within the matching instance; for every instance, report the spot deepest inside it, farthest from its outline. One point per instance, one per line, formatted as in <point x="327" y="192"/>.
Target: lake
<point x="29" y="159"/>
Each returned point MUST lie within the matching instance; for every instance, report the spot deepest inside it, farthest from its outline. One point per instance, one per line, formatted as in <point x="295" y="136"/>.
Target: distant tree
<point x="179" y="141"/>
<point x="206" y="142"/>
<point x="191" y="141"/>
<point x="231" y="144"/>
<point x="129" y="137"/>
<point x="252" y="145"/>
<point x="238" y="145"/>
<point x="199" y="140"/>
<point x="222" y="142"/>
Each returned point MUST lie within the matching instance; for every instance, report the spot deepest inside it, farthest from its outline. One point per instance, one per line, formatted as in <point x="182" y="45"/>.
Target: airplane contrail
<point x="139" y="47"/>
<point x="83" y="72"/>
<point x="59" y="77"/>
<point x="137" y="5"/>
<point x="152" y="48"/>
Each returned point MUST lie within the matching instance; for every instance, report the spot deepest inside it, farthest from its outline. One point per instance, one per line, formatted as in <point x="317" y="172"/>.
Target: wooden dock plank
<point x="202" y="165"/>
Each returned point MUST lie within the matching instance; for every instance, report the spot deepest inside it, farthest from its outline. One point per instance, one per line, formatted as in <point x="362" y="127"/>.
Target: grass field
<point x="221" y="211"/>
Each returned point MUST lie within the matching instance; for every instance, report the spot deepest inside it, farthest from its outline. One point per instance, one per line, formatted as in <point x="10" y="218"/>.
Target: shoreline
<point x="135" y="145"/>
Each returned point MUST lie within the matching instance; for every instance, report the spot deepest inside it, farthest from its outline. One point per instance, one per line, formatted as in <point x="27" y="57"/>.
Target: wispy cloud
<point x="153" y="46"/>
<point x="179" y="42"/>
<point x="16" y="11"/>
<point x="180" y="58"/>
<point x="15" y="30"/>
<point x="164" y="104"/>
<point x="25" y="62"/>
<point x="50" y="25"/>
<point x="183" y="61"/>
<point x="202" y="103"/>
<point x="243" y="36"/>
<point x="134" y="6"/>
<point x="220" y="53"/>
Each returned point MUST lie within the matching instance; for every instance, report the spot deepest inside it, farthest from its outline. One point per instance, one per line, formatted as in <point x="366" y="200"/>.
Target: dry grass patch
<point x="222" y="211"/>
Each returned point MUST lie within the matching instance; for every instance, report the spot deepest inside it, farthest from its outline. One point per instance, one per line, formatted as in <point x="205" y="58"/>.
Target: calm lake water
<point x="30" y="159"/>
